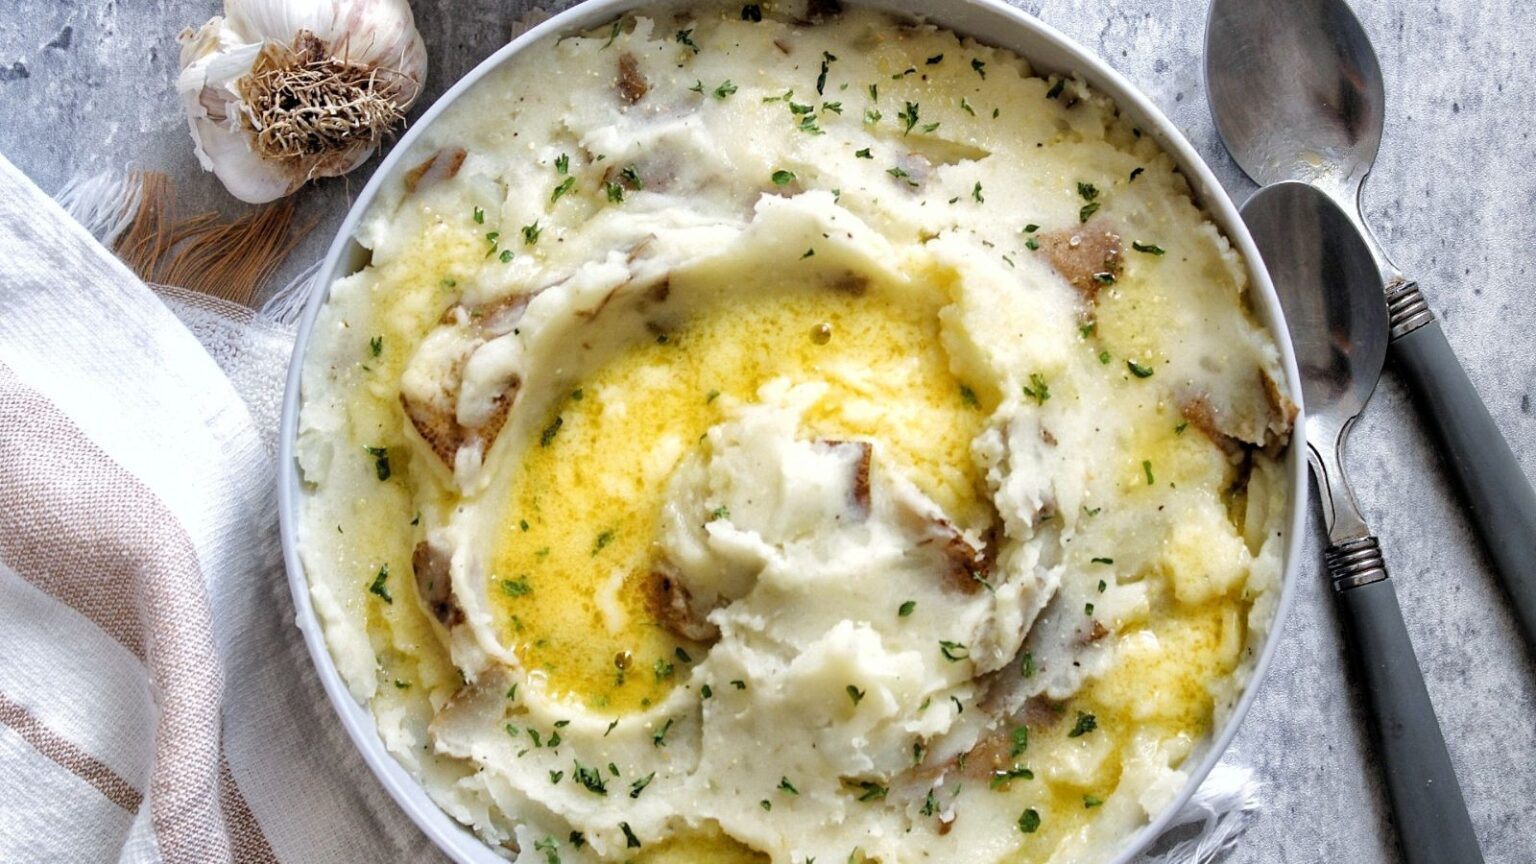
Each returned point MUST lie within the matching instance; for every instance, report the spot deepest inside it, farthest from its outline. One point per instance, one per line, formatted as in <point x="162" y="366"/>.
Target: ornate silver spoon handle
<point x="1490" y="481"/>
<point x="1427" y="806"/>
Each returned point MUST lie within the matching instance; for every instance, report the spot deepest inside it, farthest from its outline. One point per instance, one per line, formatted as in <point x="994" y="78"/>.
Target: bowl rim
<point x="1015" y="28"/>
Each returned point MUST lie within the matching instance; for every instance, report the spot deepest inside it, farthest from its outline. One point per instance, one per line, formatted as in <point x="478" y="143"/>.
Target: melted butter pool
<point x="583" y="512"/>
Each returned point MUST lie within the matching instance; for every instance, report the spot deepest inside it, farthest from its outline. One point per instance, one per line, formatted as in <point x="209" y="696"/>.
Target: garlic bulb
<point x="279" y="92"/>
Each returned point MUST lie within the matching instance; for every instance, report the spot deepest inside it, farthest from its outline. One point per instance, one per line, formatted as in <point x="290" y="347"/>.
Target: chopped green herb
<point x="548" y="845"/>
<point x="663" y="669"/>
<point x="638" y="786"/>
<point x="1104" y="357"/>
<point x="752" y="12"/>
<point x="968" y="396"/>
<point x="479" y="216"/>
<point x="1138" y="370"/>
<point x="1085" y="723"/>
<point x="1088" y="609"/>
<point x="787" y="786"/>
<point x="1055" y="91"/>
<point x="1179" y="429"/>
<point x="378" y="588"/>
<point x="725" y="89"/>
<point x="1103" y="561"/>
<point x="630" y="840"/>
<point x="1038" y="389"/>
<point x="1020" y="738"/>
<point x="855" y="694"/>
<point x="808" y="253"/>
<point x="976" y="193"/>
<point x="563" y="164"/>
<point x="765" y="804"/>
<point x="872" y="116"/>
<point x="979" y="66"/>
<point x="555" y="776"/>
<point x="550" y="431"/>
<point x="954" y="652"/>
<point x="1032" y="244"/>
<point x="1027" y="665"/>
<point x="738" y="684"/>
<point x="871" y="791"/>
<point x="1136" y="173"/>
<point x="611" y="726"/>
<point x="966" y="107"/>
<point x="565" y="186"/>
<point x="506" y="256"/>
<point x="698" y="86"/>
<point x="531" y="232"/>
<point x="930" y="806"/>
<point x="826" y="64"/>
<point x="1029" y="821"/>
<point x="1146" y="467"/>
<point x="1003" y="778"/>
<point x="376" y="345"/>
<point x="1031" y="228"/>
<point x="906" y="608"/>
<point x="518" y="587"/>
<point x="1087" y="211"/>
<point x="863" y="154"/>
<point x="380" y="461"/>
<point x="908" y="116"/>
<point x="1087" y="190"/>
<point x="1148" y="248"/>
<point x="721" y="512"/>
<point x="1104" y="277"/>
<point x="685" y="37"/>
<point x="834" y="107"/>
<point x="1090" y="801"/>
<point x="631" y="175"/>
<point x="706" y="692"/>
<point x="1103" y="586"/>
<point x="783" y="178"/>
<point x="659" y="738"/>
<point x="711" y="396"/>
<point x="613" y="33"/>
<point x="935" y="60"/>
<point x="602" y="541"/>
<point x="615" y="192"/>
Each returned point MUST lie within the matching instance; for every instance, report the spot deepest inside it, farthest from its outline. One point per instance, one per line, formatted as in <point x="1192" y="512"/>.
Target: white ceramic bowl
<point x="989" y="21"/>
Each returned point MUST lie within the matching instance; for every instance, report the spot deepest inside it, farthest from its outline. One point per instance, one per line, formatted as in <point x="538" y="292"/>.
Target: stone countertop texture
<point x="85" y="86"/>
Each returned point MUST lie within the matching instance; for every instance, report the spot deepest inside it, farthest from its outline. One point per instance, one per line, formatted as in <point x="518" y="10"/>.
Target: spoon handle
<point x="1427" y="806"/>
<point x="1490" y="480"/>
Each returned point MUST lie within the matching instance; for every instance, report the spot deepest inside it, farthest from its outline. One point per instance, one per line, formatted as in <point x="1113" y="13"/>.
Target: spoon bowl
<point x="1320" y="121"/>
<point x="1340" y="335"/>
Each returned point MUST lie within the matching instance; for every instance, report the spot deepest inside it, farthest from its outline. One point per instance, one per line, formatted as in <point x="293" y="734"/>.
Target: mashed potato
<point x="788" y="436"/>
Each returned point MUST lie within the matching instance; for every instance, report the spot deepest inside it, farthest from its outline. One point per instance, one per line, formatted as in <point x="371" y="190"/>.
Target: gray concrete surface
<point x="85" y="85"/>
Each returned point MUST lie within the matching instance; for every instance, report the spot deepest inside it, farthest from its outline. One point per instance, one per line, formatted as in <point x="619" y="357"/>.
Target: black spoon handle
<point x="1490" y="481"/>
<point x="1427" y="806"/>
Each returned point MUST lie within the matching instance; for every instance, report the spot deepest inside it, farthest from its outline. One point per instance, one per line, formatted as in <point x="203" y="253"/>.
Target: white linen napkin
<point x="156" y="700"/>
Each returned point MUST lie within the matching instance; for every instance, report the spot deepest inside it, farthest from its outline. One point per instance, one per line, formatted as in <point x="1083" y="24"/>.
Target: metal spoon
<point x="1327" y="286"/>
<point x="1297" y="95"/>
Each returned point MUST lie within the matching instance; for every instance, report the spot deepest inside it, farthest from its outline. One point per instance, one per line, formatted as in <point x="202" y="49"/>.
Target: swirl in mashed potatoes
<point x="789" y="436"/>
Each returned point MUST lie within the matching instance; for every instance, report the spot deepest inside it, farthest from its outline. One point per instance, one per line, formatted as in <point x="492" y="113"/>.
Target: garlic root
<point x="279" y="92"/>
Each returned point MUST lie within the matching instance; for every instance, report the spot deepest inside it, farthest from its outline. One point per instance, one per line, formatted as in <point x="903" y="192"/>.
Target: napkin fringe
<point x="1223" y="807"/>
<point x="134" y="213"/>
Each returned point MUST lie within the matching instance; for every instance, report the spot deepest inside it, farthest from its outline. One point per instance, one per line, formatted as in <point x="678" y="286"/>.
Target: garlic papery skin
<point x="279" y="92"/>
